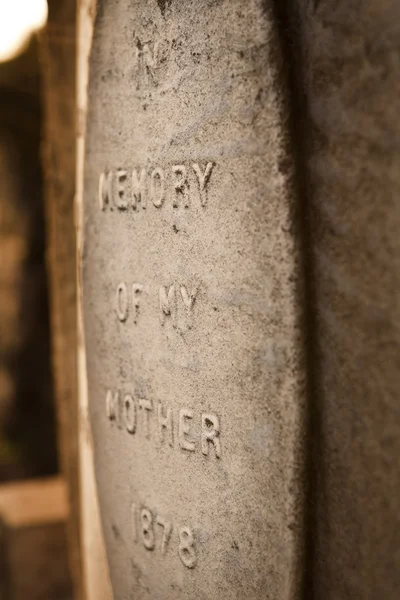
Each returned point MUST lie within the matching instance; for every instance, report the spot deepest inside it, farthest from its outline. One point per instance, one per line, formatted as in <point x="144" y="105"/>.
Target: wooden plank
<point x="58" y="56"/>
<point x="33" y="558"/>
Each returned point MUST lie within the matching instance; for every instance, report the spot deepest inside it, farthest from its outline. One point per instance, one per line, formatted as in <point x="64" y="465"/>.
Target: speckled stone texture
<point x="349" y="73"/>
<point x="193" y="302"/>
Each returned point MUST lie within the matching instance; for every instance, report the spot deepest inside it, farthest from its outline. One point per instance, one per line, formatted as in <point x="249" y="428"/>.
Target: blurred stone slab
<point x="350" y="78"/>
<point x="33" y="551"/>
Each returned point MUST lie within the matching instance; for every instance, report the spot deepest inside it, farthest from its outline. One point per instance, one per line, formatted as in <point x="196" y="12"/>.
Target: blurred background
<point x="33" y="504"/>
<point x="27" y="436"/>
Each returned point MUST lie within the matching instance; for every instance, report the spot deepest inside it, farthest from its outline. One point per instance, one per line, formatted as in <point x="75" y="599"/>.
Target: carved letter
<point x="105" y="190"/>
<point x="130" y="413"/>
<point x="165" y="422"/>
<point x="112" y="405"/>
<point x="137" y="289"/>
<point x="147" y="407"/>
<point x="184" y="430"/>
<point x="181" y="185"/>
<point x="147" y="58"/>
<point x="157" y="197"/>
<point x="122" y="302"/>
<point x="188" y="301"/>
<point x="210" y="434"/>
<point x="203" y="180"/>
<point x="167" y="304"/>
<point x="138" y="188"/>
<point x="121" y="201"/>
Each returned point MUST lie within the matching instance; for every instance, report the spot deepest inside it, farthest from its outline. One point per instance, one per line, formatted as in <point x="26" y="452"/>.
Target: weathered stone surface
<point x="350" y="72"/>
<point x="192" y="291"/>
<point x="96" y="576"/>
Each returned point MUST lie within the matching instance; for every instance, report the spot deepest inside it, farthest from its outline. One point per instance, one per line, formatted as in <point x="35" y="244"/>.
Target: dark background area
<point x="27" y="424"/>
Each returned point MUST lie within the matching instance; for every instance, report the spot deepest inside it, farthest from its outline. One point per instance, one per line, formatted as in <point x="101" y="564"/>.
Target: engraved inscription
<point x="185" y="418"/>
<point x="130" y="413"/>
<point x="147" y="58"/>
<point x="130" y="189"/>
<point x="165" y="429"/>
<point x="144" y="528"/>
<point x="151" y="57"/>
<point x="157" y="187"/>
<point x="167" y="531"/>
<point x="105" y="189"/>
<point x="169" y="305"/>
<point x="181" y="186"/>
<point x="137" y="290"/>
<point x="172" y="299"/>
<point x="186" y="549"/>
<point x="121" y="200"/>
<point x="185" y="430"/>
<point x="138" y="188"/>
<point x="210" y="434"/>
<point x="124" y="302"/>
<point x="202" y="178"/>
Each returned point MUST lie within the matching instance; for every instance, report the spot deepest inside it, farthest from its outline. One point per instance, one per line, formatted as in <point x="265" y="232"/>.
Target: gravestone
<point x="192" y="293"/>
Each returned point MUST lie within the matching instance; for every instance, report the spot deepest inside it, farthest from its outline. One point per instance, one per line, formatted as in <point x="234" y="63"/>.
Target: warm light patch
<point x="18" y="19"/>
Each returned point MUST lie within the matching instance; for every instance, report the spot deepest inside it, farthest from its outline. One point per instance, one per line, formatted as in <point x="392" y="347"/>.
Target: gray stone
<point x="192" y="302"/>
